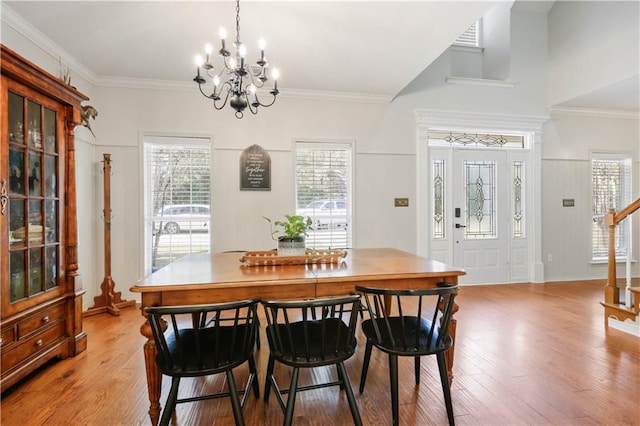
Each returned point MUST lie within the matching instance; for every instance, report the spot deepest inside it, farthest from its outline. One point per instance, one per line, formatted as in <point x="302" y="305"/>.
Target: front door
<point x="478" y="211"/>
<point x="481" y="215"/>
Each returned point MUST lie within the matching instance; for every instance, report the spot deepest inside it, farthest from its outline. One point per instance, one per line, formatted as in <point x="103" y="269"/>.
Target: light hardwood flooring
<point x="526" y="354"/>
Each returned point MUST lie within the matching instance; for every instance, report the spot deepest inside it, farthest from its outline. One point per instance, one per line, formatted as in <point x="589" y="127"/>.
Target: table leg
<point x="452" y="332"/>
<point x="154" y="376"/>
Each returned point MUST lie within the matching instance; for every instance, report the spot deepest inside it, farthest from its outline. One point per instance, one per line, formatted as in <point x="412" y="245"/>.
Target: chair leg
<point x="353" y="406"/>
<point x="235" y="401"/>
<point x="254" y="381"/>
<point x="393" y="379"/>
<point x="291" y="400"/>
<point x="446" y="390"/>
<point x="257" y="334"/>
<point x="267" y="382"/>
<point x="170" y="405"/>
<point x="417" y="367"/>
<point x="365" y="364"/>
<point x="340" y="378"/>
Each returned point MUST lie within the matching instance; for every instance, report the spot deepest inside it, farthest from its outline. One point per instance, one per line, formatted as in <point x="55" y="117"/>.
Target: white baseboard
<point x="630" y="327"/>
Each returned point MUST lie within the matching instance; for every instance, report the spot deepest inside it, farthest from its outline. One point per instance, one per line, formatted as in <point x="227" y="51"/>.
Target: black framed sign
<point x="255" y="169"/>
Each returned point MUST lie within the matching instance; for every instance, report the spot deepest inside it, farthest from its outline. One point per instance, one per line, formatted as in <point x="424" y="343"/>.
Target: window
<point x="177" y="182"/>
<point x="323" y="192"/>
<point x="471" y="37"/>
<point x="518" y="199"/>
<point x="611" y="189"/>
<point x="438" y="201"/>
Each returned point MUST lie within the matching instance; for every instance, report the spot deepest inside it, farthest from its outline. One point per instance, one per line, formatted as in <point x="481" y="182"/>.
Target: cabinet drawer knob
<point x="39" y="342"/>
<point x="45" y="319"/>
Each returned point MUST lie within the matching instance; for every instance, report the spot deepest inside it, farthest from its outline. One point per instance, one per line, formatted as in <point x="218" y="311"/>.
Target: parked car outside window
<point x="326" y="214"/>
<point x="182" y="218"/>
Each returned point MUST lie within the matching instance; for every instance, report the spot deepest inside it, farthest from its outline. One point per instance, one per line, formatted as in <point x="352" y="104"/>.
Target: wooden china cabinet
<point x="41" y="291"/>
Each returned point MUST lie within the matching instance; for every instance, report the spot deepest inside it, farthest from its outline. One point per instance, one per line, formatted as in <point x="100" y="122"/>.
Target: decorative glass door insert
<point x="33" y="196"/>
<point x="480" y="198"/>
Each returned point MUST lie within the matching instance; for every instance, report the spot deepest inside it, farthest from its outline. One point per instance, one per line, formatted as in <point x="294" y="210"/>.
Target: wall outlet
<point x="549" y="258"/>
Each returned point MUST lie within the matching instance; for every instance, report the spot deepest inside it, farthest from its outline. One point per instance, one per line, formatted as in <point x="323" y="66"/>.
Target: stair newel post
<point x="611" y="293"/>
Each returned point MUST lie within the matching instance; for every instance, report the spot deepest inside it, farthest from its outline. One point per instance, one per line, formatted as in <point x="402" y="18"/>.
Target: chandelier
<point x="242" y="80"/>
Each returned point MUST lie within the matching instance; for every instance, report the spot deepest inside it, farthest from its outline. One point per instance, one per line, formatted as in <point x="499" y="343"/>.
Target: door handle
<point x="460" y="226"/>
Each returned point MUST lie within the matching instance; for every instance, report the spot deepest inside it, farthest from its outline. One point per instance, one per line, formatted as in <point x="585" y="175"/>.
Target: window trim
<point x="622" y="156"/>
<point x="158" y="137"/>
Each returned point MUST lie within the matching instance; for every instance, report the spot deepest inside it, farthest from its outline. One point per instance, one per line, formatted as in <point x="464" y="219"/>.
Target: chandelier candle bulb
<point x="223" y="35"/>
<point x="262" y="45"/>
<point x="208" y="49"/>
<point x="275" y="74"/>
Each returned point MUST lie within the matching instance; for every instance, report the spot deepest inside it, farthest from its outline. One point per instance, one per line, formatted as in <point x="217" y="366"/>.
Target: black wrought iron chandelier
<point x="243" y="80"/>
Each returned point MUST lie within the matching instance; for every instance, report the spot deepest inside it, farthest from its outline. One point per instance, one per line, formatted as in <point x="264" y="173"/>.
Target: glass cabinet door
<point x="33" y="196"/>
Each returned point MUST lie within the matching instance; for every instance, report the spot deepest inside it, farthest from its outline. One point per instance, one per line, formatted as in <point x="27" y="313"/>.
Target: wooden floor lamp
<point x="109" y="300"/>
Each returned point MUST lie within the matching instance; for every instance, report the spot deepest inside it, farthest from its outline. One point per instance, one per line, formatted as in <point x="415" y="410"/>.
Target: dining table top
<point x="221" y="270"/>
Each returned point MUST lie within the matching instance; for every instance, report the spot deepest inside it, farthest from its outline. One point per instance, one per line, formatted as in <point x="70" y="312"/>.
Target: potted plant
<point x="290" y="234"/>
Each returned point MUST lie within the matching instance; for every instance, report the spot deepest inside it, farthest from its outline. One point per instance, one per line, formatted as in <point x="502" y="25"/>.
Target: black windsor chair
<point x="417" y="326"/>
<point x="308" y="334"/>
<point x="196" y="346"/>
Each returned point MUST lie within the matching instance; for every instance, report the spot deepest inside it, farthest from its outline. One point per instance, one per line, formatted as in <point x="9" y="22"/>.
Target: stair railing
<point x="611" y="290"/>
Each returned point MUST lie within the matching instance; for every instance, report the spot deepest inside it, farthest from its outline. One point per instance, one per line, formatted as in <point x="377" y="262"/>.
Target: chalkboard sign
<point x="255" y="169"/>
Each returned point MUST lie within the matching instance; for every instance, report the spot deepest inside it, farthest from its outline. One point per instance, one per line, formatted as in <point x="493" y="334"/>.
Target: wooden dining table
<point x="221" y="277"/>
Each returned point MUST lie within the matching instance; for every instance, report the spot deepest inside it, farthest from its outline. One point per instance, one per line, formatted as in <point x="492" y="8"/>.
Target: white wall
<point x="238" y="222"/>
<point x="569" y="141"/>
<point x="592" y="44"/>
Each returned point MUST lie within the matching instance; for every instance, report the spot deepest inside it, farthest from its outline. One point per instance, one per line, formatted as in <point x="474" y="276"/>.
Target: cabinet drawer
<point x="42" y="319"/>
<point x="31" y="346"/>
<point x="8" y="336"/>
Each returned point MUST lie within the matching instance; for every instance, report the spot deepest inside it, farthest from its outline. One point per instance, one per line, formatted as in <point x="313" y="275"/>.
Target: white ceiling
<point x="373" y="48"/>
<point x="368" y="48"/>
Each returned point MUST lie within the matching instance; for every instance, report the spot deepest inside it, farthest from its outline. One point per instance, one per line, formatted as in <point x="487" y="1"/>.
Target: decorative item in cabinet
<point x="40" y="288"/>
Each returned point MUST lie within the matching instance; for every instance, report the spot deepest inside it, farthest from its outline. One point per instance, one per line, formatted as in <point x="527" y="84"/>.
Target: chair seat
<point x="224" y="350"/>
<point x="310" y="343"/>
<point x="407" y="336"/>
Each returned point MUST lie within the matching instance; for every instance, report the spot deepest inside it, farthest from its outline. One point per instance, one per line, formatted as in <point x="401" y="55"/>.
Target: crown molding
<point x="595" y="112"/>
<point x="189" y="86"/>
<point x="324" y="95"/>
<point x="467" y="81"/>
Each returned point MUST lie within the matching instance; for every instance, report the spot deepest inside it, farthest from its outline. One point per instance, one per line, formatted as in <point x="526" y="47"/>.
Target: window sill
<point x="619" y="260"/>
<point x="466" y="48"/>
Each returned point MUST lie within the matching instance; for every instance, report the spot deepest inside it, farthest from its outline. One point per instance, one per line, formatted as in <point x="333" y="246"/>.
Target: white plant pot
<point x="291" y="247"/>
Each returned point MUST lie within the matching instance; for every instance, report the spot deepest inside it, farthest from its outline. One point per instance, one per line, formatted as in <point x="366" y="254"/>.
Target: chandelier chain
<point x="238" y="22"/>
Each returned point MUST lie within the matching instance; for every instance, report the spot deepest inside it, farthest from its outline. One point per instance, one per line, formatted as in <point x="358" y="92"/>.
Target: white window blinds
<point x="323" y="192"/>
<point x="177" y="182"/>
<point x="470" y="37"/>
<point x="611" y="189"/>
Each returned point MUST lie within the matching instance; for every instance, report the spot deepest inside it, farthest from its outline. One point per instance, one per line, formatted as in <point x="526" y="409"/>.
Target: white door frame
<point x="529" y="126"/>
